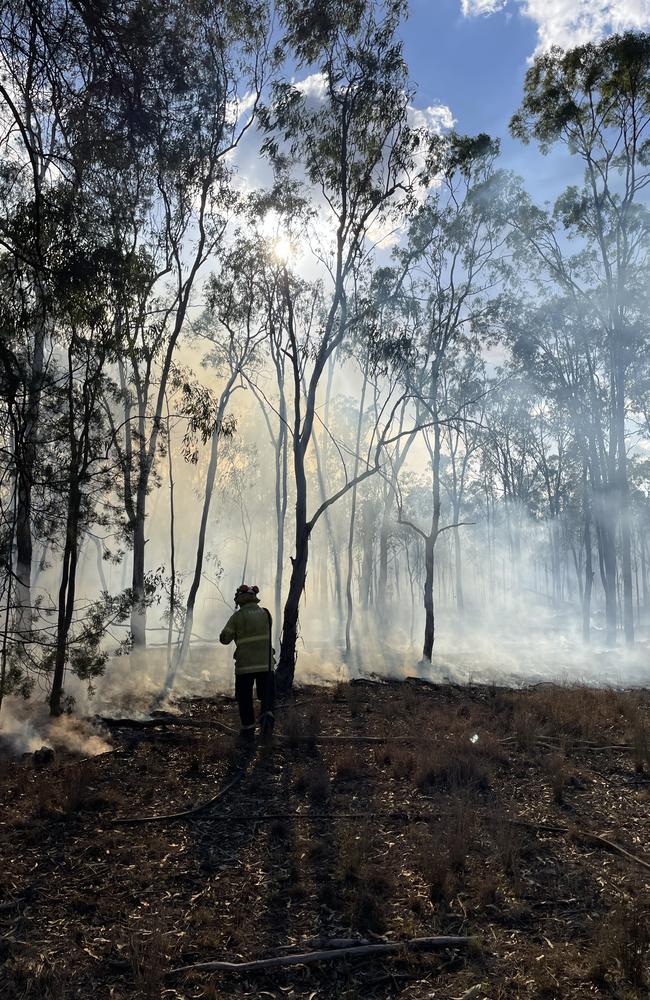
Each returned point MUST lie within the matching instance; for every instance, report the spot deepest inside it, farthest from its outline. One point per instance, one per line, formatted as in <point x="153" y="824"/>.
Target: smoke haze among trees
<point x="264" y="319"/>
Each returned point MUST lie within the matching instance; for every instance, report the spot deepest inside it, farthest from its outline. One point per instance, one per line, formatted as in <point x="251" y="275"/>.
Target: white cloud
<point x="473" y="8"/>
<point x="437" y="118"/>
<point x="571" y="22"/>
<point x="313" y="87"/>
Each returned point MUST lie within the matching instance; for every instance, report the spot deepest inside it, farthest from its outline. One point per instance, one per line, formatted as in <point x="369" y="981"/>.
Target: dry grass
<point x="622" y="946"/>
<point x="396" y="839"/>
<point x="146" y="955"/>
<point x="557" y="774"/>
<point x="453" y="764"/>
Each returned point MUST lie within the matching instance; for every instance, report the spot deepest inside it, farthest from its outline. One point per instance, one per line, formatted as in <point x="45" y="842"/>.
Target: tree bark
<point x="429" y="616"/>
<point x="139" y="609"/>
<point x="287" y="661"/>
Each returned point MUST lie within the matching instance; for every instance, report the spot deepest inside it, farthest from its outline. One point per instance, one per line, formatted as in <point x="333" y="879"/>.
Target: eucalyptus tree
<point x="358" y="154"/>
<point x="42" y="73"/>
<point x="87" y="342"/>
<point x="453" y="253"/>
<point x="171" y="113"/>
<point x="233" y="326"/>
<point x="595" y="101"/>
<point x="464" y="392"/>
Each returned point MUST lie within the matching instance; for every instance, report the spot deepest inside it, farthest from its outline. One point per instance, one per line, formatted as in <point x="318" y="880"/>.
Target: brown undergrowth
<point x="383" y="840"/>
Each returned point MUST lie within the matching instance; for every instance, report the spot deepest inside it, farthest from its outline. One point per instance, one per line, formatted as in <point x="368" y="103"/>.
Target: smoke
<point x="26" y="727"/>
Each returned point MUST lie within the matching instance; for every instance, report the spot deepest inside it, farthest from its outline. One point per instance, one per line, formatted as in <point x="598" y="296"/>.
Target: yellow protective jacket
<point x="249" y="627"/>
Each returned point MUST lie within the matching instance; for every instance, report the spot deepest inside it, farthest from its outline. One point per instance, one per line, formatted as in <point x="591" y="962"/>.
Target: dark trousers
<point x="265" y="686"/>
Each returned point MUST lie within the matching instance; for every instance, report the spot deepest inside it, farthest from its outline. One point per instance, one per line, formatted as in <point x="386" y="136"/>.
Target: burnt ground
<point x="341" y="839"/>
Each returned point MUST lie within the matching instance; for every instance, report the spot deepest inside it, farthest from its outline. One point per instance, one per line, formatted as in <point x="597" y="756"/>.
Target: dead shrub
<point x="146" y="953"/>
<point x="372" y="887"/>
<point x="403" y="764"/>
<point x="302" y="731"/>
<point x="432" y="860"/>
<point x="353" y="852"/>
<point x="507" y="841"/>
<point x="453" y="764"/>
<point x="577" y="711"/>
<point x="623" y="944"/>
<point x="35" y="976"/>
<point x="640" y="741"/>
<point x="557" y="774"/>
<point x="460" y="832"/>
<point x="367" y="910"/>
<point x="526" y="727"/>
<point x="349" y="767"/>
<point x="318" y="783"/>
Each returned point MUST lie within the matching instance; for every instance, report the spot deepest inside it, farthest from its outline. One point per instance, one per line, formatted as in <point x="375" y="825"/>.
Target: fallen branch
<point x="604" y="842"/>
<point x="262" y="817"/>
<point x="557" y="743"/>
<point x="328" y="955"/>
<point x="338" y="738"/>
<point x="541" y="827"/>
<point x="593" y="838"/>
<point x="195" y="810"/>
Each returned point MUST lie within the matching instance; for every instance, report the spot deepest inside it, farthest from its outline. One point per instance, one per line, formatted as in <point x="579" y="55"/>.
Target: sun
<point x="282" y="249"/>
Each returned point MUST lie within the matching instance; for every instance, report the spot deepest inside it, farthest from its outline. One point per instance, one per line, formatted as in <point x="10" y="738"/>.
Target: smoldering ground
<point x="26" y="727"/>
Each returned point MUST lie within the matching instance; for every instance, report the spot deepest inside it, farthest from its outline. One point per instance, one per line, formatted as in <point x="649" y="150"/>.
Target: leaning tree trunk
<point x="287" y="661"/>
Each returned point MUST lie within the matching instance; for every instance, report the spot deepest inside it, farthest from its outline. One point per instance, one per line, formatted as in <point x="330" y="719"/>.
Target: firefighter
<point x="251" y="628"/>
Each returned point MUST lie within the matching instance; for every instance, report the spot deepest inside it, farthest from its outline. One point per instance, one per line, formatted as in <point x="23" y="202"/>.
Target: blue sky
<point x="475" y="65"/>
<point x="472" y="56"/>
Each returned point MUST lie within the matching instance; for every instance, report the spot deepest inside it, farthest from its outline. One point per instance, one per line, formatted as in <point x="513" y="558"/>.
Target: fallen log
<point x="327" y="955"/>
<point x="110" y="723"/>
<point x="194" y="811"/>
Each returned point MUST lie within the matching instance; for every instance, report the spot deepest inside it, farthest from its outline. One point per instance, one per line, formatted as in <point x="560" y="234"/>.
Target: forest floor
<point x="515" y="839"/>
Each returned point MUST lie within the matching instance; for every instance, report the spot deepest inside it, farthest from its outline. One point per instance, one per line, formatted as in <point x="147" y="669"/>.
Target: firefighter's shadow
<point x="247" y="858"/>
